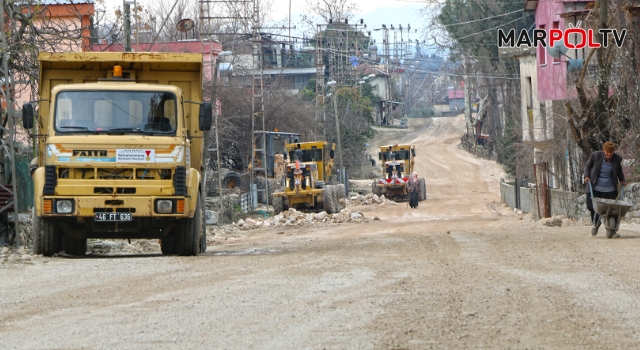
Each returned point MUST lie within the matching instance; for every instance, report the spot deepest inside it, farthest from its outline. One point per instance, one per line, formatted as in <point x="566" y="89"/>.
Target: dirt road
<point x="458" y="272"/>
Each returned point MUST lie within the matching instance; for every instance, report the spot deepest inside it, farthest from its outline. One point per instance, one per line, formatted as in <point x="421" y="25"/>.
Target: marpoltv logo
<point x="581" y="38"/>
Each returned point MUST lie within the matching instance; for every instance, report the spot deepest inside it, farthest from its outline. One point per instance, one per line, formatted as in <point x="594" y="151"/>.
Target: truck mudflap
<point x="88" y="206"/>
<point x="394" y="181"/>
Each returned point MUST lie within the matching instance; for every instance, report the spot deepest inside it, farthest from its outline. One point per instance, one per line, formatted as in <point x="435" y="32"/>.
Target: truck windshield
<point x="121" y="112"/>
<point x="308" y="155"/>
<point x="400" y="155"/>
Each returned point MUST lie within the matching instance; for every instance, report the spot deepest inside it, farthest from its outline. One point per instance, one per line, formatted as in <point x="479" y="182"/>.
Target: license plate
<point x="112" y="217"/>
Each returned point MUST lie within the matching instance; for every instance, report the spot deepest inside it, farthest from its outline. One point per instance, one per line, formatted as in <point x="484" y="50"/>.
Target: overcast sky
<point x="281" y="7"/>
<point x="374" y="12"/>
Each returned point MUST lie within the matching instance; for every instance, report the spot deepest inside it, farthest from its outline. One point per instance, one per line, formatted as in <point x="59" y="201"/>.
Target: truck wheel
<point x="278" y="206"/>
<point x="74" y="246"/>
<point x="340" y="191"/>
<point x="169" y="245"/>
<point x="46" y="237"/>
<point x="328" y="199"/>
<point x="423" y="190"/>
<point x="190" y="231"/>
<point x="231" y="180"/>
<point x="336" y="196"/>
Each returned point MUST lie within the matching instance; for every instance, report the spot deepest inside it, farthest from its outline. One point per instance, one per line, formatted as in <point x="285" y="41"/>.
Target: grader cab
<point x="307" y="175"/>
<point x="398" y="162"/>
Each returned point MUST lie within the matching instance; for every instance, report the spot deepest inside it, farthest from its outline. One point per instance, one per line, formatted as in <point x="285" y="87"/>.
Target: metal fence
<point x="24" y="182"/>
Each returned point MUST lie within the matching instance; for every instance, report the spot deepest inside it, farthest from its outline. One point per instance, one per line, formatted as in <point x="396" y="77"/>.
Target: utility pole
<point x="127" y="25"/>
<point x="467" y="110"/>
<point x="335" y="105"/>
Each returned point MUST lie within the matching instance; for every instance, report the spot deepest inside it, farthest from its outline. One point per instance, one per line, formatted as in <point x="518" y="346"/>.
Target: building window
<point x="542" y="52"/>
<point x="556" y="25"/>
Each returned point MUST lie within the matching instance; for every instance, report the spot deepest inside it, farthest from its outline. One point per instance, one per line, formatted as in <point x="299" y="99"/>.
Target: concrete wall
<point x="508" y="194"/>
<point x="562" y="202"/>
<point x="569" y="204"/>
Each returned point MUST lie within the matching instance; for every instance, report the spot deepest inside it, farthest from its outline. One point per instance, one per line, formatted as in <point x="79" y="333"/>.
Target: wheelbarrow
<point x="610" y="211"/>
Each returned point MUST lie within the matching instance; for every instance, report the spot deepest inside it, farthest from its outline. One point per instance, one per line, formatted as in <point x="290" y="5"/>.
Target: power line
<point x="486" y="30"/>
<point x="483" y="19"/>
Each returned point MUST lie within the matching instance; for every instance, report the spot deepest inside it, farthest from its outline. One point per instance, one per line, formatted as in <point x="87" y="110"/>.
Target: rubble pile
<point x="122" y="247"/>
<point x="369" y="199"/>
<point x="293" y="217"/>
<point x="26" y="236"/>
<point x="14" y="256"/>
<point x="501" y="209"/>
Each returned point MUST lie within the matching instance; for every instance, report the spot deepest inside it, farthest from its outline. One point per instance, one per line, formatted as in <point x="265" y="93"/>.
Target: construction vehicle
<point x="398" y="162"/>
<point x="232" y="170"/>
<point x="269" y="146"/>
<point x="119" y="150"/>
<point x="307" y="187"/>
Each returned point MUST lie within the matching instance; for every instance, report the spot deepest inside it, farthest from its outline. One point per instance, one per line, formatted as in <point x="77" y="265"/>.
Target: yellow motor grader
<point x="398" y="162"/>
<point x="308" y="170"/>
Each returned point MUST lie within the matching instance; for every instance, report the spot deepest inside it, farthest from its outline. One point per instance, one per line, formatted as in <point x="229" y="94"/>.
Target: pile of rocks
<point x="26" y="236"/>
<point x="501" y="209"/>
<point x="293" y="217"/>
<point x="12" y="256"/>
<point x="123" y="247"/>
<point x="369" y="199"/>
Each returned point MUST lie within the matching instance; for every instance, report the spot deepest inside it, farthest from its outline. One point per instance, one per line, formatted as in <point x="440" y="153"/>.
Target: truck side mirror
<point x="413" y="152"/>
<point x="380" y="155"/>
<point x="332" y="154"/>
<point x="27" y="115"/>
<point x="205" y="116"/>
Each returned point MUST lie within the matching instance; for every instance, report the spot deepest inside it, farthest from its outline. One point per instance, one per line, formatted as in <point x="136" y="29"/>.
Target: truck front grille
<point x="114" y="173"/>
<point x="50" y="180"/>
<point x="111" y="210"/>
<point x="180" y="181"/>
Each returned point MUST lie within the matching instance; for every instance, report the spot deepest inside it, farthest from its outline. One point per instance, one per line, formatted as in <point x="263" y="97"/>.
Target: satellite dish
<point x="557" y="50"/>
<point x="185" y="25"/>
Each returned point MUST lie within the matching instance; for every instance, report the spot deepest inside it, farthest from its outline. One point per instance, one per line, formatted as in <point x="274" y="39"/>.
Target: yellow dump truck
<point x="398" y="162"/>
<point x="119" y="140"/>
<point x="308" y="169"/>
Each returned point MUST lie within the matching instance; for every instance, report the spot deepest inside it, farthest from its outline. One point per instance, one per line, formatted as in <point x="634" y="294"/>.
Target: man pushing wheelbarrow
<point x="602" y="173"/>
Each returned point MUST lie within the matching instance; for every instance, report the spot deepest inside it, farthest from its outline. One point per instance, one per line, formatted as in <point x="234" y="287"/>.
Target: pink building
<point x="73" y="16"/>
<point x="552" y="73"/>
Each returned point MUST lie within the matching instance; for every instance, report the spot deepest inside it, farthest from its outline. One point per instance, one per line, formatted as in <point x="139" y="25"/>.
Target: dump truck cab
<point x="120" y="151"/>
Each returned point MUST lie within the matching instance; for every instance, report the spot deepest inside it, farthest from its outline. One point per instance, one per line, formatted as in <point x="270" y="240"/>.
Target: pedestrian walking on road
<point x="604" y="171"/>
<point x="414" y="190"/>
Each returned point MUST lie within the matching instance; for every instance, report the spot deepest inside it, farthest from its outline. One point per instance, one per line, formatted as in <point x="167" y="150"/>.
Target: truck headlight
<point x="64" y="206"/>
<point x="164" y="206"/>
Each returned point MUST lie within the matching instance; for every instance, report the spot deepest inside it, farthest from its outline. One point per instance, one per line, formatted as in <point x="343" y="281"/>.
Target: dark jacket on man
<point x="592" y="168"/>
<point x="414" y="186"/>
